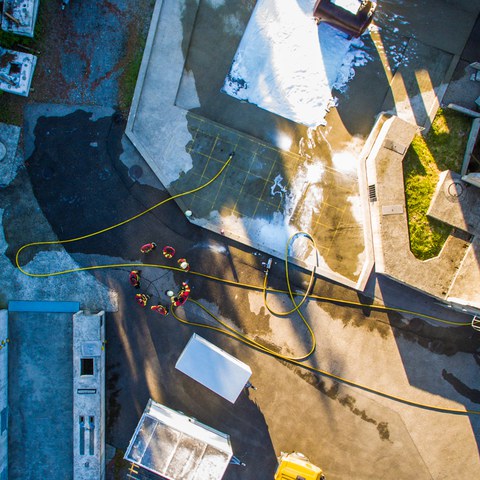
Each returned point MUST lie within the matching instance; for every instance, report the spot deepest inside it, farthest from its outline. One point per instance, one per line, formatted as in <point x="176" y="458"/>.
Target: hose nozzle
<point x="267" y="266"/>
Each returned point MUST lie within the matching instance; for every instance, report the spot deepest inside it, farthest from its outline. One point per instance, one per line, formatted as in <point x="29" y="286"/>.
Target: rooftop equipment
<point x="350" y="16"/>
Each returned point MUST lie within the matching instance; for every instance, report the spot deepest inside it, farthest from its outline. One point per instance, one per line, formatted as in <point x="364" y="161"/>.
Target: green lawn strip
<point x="442" y="149"/>
<point x="128" y="79"/>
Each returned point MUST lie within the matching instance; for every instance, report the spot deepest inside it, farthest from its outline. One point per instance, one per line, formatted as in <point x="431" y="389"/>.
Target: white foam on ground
<point x="216" y="3"/>
<point x="302" y="198"/>
<point x="346" y="160"/>
<point x="271" y="236"/>
<point x="288" y="65"/>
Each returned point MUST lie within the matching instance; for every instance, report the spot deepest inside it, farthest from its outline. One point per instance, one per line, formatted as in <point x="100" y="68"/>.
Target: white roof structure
<point x="178" y="447"/>
<point x="19" y="16"/>
<point x="16" y="71"/>
<point x="214" y="368"/>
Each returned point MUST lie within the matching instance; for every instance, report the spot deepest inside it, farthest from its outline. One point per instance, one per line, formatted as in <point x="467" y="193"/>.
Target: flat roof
<point x="178" y="447"/>
<point x="16" y="71"/>
<point x="20" y="16"/>
<point x="40" y="395"/>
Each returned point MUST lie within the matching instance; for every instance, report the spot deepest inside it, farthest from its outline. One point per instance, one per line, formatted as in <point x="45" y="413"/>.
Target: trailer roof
<point x="178" y="447"/>
<point x="214" y="368"/>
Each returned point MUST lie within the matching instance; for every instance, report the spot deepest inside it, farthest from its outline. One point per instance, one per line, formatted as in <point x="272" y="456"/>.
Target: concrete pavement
<point x="273" y="190"/>
<point x="269" y="193"/>
<point x="292" y="409"/>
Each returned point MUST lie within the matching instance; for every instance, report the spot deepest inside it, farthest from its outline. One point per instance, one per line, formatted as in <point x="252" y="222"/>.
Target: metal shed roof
<point x="178" y="447"/>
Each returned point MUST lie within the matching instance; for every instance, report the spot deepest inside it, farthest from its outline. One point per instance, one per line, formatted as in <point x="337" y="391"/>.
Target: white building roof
<point x="19" y="16"/>
<point x="16" y="71"/>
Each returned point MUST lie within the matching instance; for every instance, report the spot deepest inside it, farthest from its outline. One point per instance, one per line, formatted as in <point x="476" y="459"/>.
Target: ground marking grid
<point x="241" y="142"/>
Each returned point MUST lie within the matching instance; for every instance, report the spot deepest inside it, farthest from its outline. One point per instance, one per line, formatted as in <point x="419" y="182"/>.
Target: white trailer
<point x="214" y="368"/>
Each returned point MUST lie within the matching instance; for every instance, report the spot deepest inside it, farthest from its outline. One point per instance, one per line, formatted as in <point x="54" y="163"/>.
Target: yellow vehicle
<point x="296" y="466"/>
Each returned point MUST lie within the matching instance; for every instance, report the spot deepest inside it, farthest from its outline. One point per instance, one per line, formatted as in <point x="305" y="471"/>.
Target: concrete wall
<point x="3" y="395"/>
<point x="88" y="396"/>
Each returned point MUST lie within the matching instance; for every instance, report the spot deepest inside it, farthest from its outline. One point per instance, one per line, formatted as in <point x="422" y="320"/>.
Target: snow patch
<point x="288" y="65"/>
<point x="232" y="25"/>
<point x="214" y="247"/>
<point x="216" y="3"/>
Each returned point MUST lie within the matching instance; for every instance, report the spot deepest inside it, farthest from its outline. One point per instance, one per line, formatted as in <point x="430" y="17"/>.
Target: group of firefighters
<point x="176" y="300"/>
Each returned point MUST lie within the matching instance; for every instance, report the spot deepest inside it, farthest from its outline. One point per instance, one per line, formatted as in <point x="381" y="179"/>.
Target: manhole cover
<point x="135" y="172"/>
<point x="3" y="151"/>
<point x="455" y="189"/>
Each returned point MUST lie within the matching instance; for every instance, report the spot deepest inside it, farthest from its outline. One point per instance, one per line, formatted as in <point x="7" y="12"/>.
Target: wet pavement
<point x="143" y="347"/>
<point x="307" y="182"/>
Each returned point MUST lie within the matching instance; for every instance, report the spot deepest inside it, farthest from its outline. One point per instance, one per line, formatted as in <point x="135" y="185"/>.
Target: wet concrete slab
<point x="348" y="434"/>
<point x="268" y="193"/>
<point x="179" y="111"/>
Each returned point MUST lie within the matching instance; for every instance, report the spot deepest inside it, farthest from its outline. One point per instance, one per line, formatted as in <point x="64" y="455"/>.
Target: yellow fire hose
<point x="237" y="335"/>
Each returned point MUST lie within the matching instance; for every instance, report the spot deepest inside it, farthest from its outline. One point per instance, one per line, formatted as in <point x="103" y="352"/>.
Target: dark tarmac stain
<point x="266" y="343"/>
<point x="439" y="339"/>
<point x="347" y="400"/>
<point x="382" y="428"/>
<point x="262" y="321"/>
<point x="82" y="186"/>
<point x="471" y="393"/>
<point x="114" y="407"/>
<point x="363" y="317"/>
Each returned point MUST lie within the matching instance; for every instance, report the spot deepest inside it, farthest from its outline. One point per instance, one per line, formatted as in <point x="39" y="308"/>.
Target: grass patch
<point x="442" y="149"/>
<point x="128" y="80"/>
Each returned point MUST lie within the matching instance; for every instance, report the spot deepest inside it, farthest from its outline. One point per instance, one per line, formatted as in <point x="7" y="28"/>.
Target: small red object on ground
<point x="148" y="247"/>
<point x="159" y="309"/>
<point x="168" y="252"/>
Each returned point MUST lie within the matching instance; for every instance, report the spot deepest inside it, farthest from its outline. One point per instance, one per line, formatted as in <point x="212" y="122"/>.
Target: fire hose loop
<point x="236" y="334"/>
